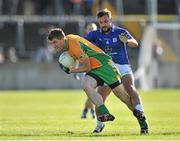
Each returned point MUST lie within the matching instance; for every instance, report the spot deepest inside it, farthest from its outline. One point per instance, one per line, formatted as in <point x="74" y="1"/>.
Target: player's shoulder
<point x="119" y="29"/>
<point x="71" y="36"/>
<point x="92" y="34"/>
<point x="95" y="32"/>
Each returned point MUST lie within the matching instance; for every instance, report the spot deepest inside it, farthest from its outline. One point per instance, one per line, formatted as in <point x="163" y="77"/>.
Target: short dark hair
<point x="57" y="33"/>
<point x="104" y="12"/>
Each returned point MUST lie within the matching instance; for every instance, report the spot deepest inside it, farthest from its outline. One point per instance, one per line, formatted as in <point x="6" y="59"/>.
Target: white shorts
<point x="124" y="69"/>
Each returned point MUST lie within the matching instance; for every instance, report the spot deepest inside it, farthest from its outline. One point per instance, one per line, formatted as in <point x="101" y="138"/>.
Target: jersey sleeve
<point x="76" y="51"/>
<point x="128" y="35"/>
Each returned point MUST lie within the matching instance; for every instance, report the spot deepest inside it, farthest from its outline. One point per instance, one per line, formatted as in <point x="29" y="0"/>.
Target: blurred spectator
<point x="12" y="55"/>
<point x="45" y="52"/>
<point x="8" y="54"/>
<point x="44" y="55"/>
<point x="2" y="58"/>
<point x="157" y="51"/>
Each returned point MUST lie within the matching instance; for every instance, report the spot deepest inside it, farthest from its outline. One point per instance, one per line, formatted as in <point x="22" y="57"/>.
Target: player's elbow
<point x="133" y="43"/>
<point x="136" y="43"/>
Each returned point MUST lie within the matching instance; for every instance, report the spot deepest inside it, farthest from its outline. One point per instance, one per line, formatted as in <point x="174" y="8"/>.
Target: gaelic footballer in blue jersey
<point x="113" y="41"/>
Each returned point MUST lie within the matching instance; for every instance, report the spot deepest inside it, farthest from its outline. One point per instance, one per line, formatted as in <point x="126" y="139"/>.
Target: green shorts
<point x="107" y="73"/>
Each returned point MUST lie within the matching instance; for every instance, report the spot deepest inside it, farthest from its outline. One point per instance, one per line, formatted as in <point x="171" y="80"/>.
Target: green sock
<point x="102" y="109"/>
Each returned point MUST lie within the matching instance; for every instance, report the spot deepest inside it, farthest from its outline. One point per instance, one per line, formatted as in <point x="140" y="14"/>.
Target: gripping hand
<point x="65" y="69"/>
<point x="124" y="38"/>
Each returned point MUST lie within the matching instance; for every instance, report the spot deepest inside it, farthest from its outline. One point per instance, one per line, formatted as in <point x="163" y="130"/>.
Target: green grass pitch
<point x="55" y="115"/>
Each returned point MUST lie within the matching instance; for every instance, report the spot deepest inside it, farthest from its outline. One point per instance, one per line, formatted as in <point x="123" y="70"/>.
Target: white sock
<point x="99" y="123"/>
<point x="139" y="107"/>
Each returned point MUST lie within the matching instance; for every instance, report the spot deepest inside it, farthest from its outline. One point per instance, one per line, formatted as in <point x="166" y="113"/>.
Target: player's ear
<point x="62" y="40"/>
<point x="110" y="20"/>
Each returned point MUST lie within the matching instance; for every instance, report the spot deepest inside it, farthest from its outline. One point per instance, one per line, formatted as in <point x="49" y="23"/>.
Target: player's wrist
<point x="127" y="42"/>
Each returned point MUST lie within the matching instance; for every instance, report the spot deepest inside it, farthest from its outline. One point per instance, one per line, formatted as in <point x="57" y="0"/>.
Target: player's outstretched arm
<point x="130" y="42"/>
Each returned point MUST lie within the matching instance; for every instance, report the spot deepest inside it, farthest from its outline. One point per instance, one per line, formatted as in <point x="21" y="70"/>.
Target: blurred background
<point x="28" y="62"/>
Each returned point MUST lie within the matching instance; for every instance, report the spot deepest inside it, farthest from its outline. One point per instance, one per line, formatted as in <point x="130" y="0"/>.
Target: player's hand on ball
<point x="123" y="38"/>
<point x="65" y="69"/>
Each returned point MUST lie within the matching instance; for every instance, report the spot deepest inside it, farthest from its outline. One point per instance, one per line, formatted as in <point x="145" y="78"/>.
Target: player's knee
<point x="87" y="87"/>
<point x="130" y="88"/>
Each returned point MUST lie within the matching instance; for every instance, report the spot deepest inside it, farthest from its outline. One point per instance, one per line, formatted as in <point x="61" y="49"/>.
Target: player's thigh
<point x="89" y="82"/>
<point x="128" y="81"/>
<point x="127" y="76"/>
<point x="119" y="91"/>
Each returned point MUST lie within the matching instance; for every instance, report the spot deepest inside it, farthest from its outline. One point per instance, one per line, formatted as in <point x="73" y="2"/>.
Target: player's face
<point x="58" y="44"/>
<point x="105" y="23"/>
